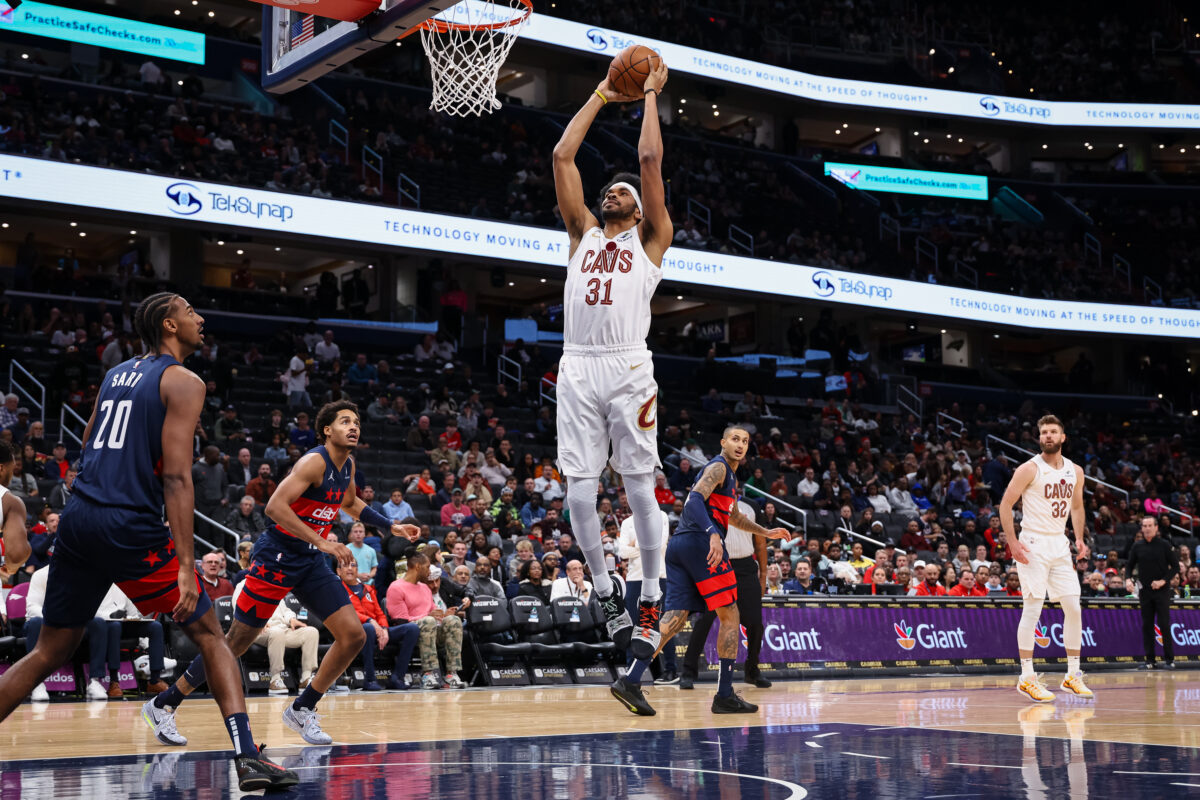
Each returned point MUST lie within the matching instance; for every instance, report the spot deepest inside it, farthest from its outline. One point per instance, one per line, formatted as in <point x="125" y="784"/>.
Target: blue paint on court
<point x="764" y="763"/>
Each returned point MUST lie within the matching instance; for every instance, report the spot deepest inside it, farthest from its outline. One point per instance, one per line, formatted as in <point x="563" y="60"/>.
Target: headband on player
<point x="637" y="198"/>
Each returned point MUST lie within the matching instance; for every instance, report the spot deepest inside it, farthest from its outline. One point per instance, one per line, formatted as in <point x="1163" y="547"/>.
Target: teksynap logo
<point x="601" y="40"/>
<point x="992" y="106"/>
<point x="824" y="284"/>
<point x="184" y="199"/>
<point x="597" y="38"/>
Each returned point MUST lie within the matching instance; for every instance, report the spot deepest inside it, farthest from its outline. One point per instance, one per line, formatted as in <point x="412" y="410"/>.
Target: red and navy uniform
<point x="692" y="585"/>
<point x="112" y="528"/>
<point x="281" y="563"/>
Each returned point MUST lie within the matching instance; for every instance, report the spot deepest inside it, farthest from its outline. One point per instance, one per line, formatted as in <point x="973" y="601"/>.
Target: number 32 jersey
<point x="121" y="464"/>
<point x="610" y="282"/>
<point x="1046" y="502"/>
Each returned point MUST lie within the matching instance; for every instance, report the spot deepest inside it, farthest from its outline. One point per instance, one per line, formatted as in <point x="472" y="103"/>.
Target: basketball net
<point x="466" y="45"/>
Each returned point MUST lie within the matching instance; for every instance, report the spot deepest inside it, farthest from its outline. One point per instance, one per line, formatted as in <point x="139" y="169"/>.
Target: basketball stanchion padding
<point x="466" y="45"/>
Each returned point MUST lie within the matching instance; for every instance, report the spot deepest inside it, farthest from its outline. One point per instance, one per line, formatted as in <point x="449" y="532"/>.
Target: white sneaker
<point x="141" y="665"/>
<point x="430" y="681"/>
<point x="39" y="694"/>
<point x="454" y="682"/>
<point x="162" y="722"/>
<point x="307" y="723"/>
<point x="96" y="691"/>
<point x="277" y="686"/>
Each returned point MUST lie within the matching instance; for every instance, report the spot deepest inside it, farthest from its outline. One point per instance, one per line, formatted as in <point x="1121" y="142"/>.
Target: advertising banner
<point x="213" y="204"/>
<point x="101" y="30"/>
<point x="866" y="94"/>
<point x="909" y="181"/>
<point x="804" y="636"/>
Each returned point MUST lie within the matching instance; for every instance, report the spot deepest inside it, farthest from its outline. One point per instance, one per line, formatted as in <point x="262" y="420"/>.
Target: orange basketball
<point x="628" y="71"/>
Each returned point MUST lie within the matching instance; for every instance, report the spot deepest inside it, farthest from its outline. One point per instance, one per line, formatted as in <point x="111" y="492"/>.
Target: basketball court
<point x="922" y="737"/>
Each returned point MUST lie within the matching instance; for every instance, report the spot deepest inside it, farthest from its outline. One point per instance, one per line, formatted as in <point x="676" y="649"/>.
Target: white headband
<point x="637" y="198"/>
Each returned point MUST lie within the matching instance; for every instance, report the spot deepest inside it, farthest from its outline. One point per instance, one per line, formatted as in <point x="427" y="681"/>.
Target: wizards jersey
<point x="121" y="464"/>
<point x="318" y="506"/>
<point x="719" y="503"/>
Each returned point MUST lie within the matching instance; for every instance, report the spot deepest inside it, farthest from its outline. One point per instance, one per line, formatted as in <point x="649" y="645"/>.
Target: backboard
<point x="299" y="47"/>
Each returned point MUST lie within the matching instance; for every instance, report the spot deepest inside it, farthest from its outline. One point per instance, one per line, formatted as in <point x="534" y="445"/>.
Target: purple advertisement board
<point x="800" y="636"/>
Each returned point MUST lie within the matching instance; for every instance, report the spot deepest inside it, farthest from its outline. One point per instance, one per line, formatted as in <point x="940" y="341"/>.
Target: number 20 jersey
<point x="610" y="282"/>
<point x="121" y="464"/>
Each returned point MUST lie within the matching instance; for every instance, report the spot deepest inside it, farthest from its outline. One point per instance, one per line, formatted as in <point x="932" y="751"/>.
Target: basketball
<point x="628" y="71"/>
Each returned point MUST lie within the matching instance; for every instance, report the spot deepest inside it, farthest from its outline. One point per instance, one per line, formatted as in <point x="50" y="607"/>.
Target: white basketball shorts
<point x="1050" y="569"/>
<point x="607" y="397"/>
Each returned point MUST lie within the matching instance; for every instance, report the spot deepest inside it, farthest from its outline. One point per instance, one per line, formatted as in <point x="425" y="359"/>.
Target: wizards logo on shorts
<point x="904" y="636"/>
<point x="1041" y="636"/>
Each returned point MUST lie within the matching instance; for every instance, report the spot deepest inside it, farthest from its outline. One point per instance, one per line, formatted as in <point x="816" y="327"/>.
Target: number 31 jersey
<point x="121" y="464"/>
<point x="606" y="302"/>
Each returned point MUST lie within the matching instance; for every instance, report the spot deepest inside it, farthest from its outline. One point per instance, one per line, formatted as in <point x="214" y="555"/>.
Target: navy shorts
<point x="692" y="585"/>
<point x="280" y="564"/>
<point x="98" y="546"/>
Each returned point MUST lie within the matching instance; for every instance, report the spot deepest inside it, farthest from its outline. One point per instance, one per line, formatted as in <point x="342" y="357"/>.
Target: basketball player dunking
<point x="136" y="464"/>
<point x="1049" y="487"/>
<point x="606" y="389"/>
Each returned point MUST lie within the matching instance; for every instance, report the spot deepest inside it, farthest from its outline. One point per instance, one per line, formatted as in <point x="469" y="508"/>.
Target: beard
<point x="616" y="214"/>
<point x="1051" y="449"/>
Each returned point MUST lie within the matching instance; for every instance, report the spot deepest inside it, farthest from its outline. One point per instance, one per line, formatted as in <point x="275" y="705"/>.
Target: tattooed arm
<point x="740" y="521"/>
<point x="695" y="512"/>
<point x="671" y="623"/>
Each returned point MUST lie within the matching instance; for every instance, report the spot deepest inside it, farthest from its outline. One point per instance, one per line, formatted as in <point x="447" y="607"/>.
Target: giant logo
<point x="1041" y="637"/>
<point x="929" y="637"/>
<point x="184" y="199"/>
<point x="824" y="284"/>
<point x="904" y="635"/>
<point x="780" y="639"/>
<point x="989" y="106"/>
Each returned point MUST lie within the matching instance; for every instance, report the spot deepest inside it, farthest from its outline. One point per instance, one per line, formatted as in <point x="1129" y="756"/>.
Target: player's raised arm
<point x="657" y="229"/>
<point x="353" y="505"/>
<point x="568" y="184"/>
<point x="307" y="472"/>
<point x="1022" y="477"/>
<point x="182" y="393"/>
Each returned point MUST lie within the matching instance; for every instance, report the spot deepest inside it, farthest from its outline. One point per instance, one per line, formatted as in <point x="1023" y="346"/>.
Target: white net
<point x="466" y="46"/>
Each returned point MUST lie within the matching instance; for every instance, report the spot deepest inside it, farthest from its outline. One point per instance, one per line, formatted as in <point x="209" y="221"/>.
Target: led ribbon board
<point x="867" y="94"/>
<point x="220" y="205"/>
<point x="101" y="30"/>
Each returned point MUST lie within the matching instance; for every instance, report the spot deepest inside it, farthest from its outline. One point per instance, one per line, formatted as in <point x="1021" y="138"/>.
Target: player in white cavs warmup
<point x="606" y="389"/>
<point x="1049" y="487"/>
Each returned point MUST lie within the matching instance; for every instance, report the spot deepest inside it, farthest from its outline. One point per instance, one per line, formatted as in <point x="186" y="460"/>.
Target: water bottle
<point x="610" y="562"/>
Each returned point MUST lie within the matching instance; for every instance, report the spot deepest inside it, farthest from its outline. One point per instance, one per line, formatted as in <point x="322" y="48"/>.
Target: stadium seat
<point x="534" y="623"/>
<point x="493" y="642"/>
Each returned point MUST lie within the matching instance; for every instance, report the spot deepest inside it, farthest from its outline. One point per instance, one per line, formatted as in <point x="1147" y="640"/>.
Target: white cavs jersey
<point x="1046" y="502"/>
<point x="606" y="391"/>
<point x="606" y="303"/>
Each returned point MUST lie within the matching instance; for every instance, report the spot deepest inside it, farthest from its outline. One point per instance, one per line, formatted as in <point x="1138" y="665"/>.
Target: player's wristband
<point x="600" y="94"/>
<point x="370" y="516"/>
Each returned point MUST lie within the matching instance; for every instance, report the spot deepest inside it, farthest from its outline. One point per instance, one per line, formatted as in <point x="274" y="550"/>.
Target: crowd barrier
<point x="811" y="636"/>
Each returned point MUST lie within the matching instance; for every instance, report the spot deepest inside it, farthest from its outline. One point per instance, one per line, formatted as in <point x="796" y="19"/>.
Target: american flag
<point x="302" y="30"/>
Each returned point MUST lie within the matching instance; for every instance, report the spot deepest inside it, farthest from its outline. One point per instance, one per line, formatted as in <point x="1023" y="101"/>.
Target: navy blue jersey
<point x="121" y="464"/>
<point x="318" y="506"/>
<point x="719" y="503"/>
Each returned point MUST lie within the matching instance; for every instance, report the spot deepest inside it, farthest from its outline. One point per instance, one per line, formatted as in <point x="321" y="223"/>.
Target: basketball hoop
<point x="466" y="46"/>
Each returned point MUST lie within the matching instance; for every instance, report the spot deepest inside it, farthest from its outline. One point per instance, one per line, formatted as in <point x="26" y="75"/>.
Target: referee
<point x="743" y="549"/>
<point x="1156" y="563"/>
